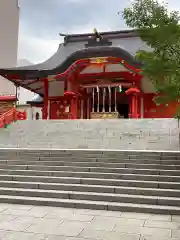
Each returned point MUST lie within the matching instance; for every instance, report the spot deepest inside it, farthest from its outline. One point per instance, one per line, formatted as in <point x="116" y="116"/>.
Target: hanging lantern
<point x="132" y="91"/>
<point x="69" y="93"/>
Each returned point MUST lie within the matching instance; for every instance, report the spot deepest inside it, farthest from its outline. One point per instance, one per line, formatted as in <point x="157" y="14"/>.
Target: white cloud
<point x="40" y="49"/>
<point x="36" y="49"/>
<point x="38" y="43"/>
<point x="76" y="1"/>
<point x="34" y="42"/>
<point x="89" y="28"/>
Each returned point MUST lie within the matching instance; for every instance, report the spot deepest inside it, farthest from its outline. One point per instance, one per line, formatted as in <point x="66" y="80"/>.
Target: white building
<point x="9" y="29"/>
<point x="23" y="94"/>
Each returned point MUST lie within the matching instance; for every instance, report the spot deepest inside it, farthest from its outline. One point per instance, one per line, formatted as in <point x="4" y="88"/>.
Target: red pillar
<point x="74" y="108"/>
<point x="45" y="107"/>
<point x="85" y="107"/>
<point x="130" y="106"/>
<point x="134" y="93"/>
<point x="135" y="110"/>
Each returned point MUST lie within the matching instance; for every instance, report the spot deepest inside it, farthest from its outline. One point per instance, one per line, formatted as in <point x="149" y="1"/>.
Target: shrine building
<point x="92" y="76"/>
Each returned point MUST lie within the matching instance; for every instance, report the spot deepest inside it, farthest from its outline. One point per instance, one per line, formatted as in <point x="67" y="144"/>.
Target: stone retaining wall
<point x="151" y="134"/>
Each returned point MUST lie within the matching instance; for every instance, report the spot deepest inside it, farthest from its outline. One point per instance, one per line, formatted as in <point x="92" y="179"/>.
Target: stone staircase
<point x="152" y="134"/>
<point x="140" y="181"/>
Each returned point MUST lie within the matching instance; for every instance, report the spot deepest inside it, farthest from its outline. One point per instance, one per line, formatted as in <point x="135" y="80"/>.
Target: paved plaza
<point x="19" y="222"/>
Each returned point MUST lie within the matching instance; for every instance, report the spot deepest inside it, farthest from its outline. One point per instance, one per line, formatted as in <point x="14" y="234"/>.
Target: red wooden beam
<point x="74" y="68"/>
<point x="40" y="105"/>
<point x="75" y="76"/>
<point x="8" y="98"/>
<point x="124" y="84"/>
<point x="126" y="75"/>
<point x="37" y="89"/>
<point x="12" y="76"/>
<point x="33" y="81"/>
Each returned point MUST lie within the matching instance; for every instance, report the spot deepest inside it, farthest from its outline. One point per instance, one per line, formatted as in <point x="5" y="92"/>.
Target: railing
<point x="21" y="115"/>
<point x="11" y="116"/>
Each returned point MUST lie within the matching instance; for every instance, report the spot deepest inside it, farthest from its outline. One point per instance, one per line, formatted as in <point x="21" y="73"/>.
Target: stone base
<point x="104" y="115"/>
<point x="119" y="134"/>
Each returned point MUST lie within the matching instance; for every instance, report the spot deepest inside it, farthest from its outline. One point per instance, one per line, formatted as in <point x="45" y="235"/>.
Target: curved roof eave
<point x="37" y="71"/>
<point x="25" y="76"/>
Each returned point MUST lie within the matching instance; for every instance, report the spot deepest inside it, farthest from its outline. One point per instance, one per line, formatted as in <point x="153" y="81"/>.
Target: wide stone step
<point x="84" y="156"/>
<point x="87" y="157"/>
<point x="78" y="195"/>
<point x="101" y="179"/>
<point x="92" y="181"/>
<point x="92" y="188"/>
<point x="89" y="164"/>
<point x="93" y="161"/>
<point x="43" y="153"/>
<point x="92" y="196"/>
<point x="60" y="169"/>
<point x="132" y="176"/>
<point x="85" y="204"/>
<point x="103" y="156"/>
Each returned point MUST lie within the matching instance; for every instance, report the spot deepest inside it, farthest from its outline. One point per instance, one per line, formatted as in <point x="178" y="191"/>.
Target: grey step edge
<point x="82" y="204"/>
<point x="92" y="188"/>
<point x="91" y="196"/>
<point x="87" y="175"/>
<point x="91" y="181"/>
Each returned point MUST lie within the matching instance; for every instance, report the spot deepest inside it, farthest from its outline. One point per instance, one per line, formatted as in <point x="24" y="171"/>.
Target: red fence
<point x="11" y="116"/>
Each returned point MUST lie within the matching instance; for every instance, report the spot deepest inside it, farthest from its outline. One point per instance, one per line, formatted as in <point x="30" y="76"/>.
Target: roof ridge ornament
<point x="98" y="37"/>
<point x="97" y="40"/>
<point x="66" y="37"/>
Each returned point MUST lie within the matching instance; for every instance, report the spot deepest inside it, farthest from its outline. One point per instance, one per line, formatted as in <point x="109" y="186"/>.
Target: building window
<point x="37" y="116"/>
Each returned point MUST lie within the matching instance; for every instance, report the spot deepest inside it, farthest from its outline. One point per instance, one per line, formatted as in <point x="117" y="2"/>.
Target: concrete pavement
<point x="50" y="223"/>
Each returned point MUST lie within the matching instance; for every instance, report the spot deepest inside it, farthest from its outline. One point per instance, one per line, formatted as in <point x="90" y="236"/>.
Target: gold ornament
<point x="98" y="60"/>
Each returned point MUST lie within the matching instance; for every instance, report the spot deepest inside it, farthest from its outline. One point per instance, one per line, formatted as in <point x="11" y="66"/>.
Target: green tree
<point x="160" y="30"/>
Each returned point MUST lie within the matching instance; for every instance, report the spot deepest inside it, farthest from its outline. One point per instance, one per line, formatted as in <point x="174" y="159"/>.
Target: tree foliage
<point x="160" y="30"/>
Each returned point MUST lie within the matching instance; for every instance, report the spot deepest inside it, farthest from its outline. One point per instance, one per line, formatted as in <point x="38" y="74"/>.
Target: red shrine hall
<point x="92" y="76"/>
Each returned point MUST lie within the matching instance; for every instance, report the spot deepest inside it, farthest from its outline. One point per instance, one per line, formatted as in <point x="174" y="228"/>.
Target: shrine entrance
<point x="108" y="102"/>
<point x="123" y="110"/>
<point x="122" y="104"/>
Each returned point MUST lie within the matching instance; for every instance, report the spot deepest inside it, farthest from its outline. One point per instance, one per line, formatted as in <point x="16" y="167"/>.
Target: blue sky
<point x="42" y="20"/>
